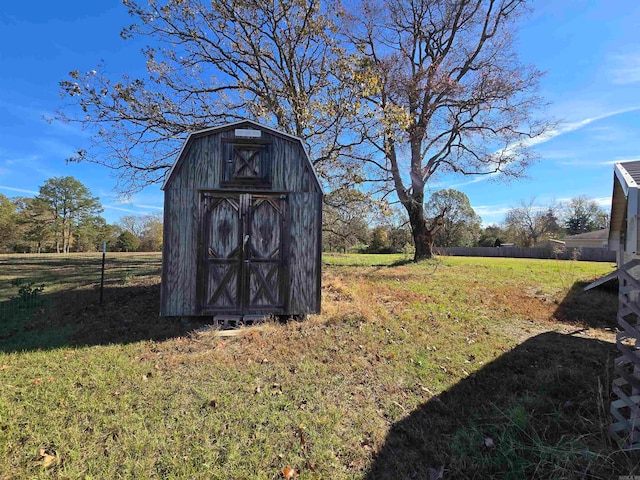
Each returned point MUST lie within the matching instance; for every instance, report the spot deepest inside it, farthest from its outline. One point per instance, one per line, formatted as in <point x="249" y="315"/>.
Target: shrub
<point x="27" y="291"/>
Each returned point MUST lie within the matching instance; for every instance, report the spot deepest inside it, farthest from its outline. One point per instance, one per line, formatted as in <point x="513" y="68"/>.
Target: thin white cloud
<point x="490" y="210"/>
<point x="573" y="126"/>
<point x="627" y="70"/>
<point x="147" y="206"/>
<point x="620" y="160"/>
<point x="550" y="135"/>
<point x="119" y="209"/>
<point x="34" y="162"/>
<point x="475" y="180"/>
<point x="21" y="190"/>
<point x="144" y="209"/>
<point x="558" y="154"/>
<point x="601" y="201"/>
<point x="586" y="163"/>
<point x="128" y="201"/>
<point x="491" y="214"/>
<point x="578" y="163"/>
<point x="11" y="159"/>
<point x="56" y="147"/>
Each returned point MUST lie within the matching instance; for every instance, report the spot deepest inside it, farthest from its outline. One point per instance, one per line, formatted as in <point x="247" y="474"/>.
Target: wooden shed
<point x="242" y="226"/>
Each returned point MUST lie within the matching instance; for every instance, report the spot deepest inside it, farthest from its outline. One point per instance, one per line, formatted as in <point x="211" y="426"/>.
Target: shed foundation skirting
<point x="236" y="321"/>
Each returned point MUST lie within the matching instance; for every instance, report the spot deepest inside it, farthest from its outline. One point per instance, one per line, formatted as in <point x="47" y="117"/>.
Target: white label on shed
<point x="245" y="132"/>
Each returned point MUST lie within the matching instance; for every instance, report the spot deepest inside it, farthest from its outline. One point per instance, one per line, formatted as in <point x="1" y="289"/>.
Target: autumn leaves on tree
<point x="385" y="95"/>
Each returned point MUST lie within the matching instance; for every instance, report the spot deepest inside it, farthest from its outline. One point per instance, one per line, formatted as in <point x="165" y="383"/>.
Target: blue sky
<point x="589" y="49"/>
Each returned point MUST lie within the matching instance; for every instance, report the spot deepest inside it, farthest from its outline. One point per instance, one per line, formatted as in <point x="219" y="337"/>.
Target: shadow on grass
<point x="76" y="318"/>
<point x="538" y="411"/>
<point x="596" y="308"/>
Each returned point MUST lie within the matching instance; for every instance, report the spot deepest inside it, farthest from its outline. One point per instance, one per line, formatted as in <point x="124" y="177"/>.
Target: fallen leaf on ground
<point x="436" y="473"/>
<point x="288" y="473"/>
<point x="303" y="438"/>
<point x="47" y="459"/>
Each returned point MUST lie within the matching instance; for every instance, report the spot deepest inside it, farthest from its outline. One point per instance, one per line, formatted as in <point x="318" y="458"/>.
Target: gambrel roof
<point x="239" y="124"/>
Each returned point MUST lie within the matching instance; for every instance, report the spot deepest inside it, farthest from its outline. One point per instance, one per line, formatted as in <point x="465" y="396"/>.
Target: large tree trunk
<point x="422" y="234"/>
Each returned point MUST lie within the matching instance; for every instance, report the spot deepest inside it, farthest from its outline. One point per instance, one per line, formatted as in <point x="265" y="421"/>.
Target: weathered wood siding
<point x="305" y="251"/>
<point x="201" y="168"/>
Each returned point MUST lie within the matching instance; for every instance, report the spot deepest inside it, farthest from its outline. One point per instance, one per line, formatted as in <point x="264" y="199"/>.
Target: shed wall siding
<point x="179" y="253"/>
<point x="305" y="248"/>
<point x="197" y="171"/>
<point x="290" y="172"/>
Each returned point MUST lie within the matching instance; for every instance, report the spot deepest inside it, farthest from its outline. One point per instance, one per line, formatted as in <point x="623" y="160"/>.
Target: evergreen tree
<point x="68" y="203"/>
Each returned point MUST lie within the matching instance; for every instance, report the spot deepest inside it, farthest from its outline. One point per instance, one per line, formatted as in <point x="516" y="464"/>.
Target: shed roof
<point x="626" y="178"/>
<point x="226" y="126"/>
<point x="630" y="172"/>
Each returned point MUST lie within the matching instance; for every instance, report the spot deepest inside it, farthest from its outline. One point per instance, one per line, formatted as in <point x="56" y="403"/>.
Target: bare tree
<point x="146" y="228"/>
<point x="134" y="224"/>
<point x="528" y="224"/>
<point x="151" y="239"/>
<point x="581" y="215"/>
<point x="345" y="218"/>
<point x="440" y="90"/>
<point x="461" y="224"/>
<point x="212" y="62"/>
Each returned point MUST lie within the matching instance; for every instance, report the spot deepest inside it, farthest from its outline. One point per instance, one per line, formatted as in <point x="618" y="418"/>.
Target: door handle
<point x="244" y="242"/>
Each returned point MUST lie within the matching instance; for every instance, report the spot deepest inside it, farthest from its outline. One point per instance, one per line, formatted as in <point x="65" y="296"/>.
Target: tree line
<point x="527" y="225"/>
<point x="65" y="217"/>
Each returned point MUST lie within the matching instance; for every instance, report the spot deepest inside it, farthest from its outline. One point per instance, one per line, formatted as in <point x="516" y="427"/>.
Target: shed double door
<point x="242" y="242"/>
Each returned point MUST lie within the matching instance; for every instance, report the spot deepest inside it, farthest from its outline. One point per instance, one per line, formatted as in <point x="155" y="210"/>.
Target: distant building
<point x="596" y="239"/>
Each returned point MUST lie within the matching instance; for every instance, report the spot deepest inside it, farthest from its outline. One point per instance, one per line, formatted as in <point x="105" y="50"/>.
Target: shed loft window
<point x="247" y="162"/>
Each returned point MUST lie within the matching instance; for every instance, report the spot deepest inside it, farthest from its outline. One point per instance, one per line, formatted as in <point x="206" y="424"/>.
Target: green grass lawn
<point x="60" y="273"/>
<point x="488" y="368"/>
